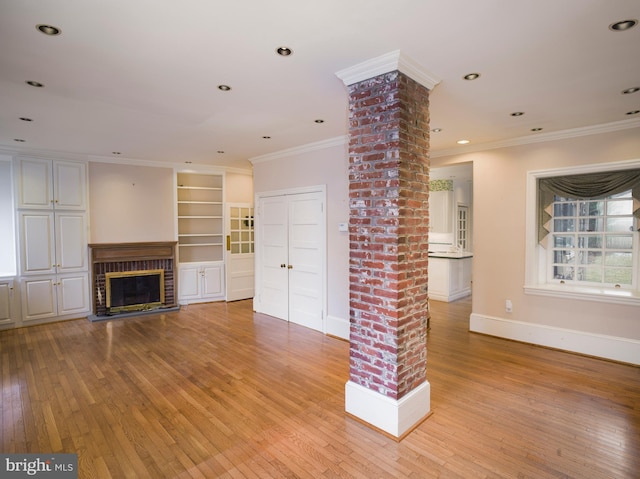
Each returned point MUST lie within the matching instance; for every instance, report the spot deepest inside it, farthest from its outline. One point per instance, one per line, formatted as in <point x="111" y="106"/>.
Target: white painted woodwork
<point x="240" y="258"/>
<point x="6" y="302"/>
<point x="53" y="242"/>
<point x="449" y="278"/>
<point x="47" y="184"/>
<point x="200" y="283"/>
<point x="291" y="256"/>
<point x="55" y="296"/>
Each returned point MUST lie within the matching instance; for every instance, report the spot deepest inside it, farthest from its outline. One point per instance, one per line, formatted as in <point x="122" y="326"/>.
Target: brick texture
<point x="388" y="233"/>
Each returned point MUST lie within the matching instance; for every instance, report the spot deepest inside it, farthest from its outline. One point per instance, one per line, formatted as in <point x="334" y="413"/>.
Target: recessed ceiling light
<point x="471" y="76"/>
<point x="24" y="118"/>
<point x="49" y="29"/>
<point x="634" y="112"/>
<point x="623" y="25"/>
<point x="536" y="129"/>
<point x="224" y="87"/>
<point x="188" y="162"/>
<point x="19" y="140"/>
<point x="116" y="153"/>
<point x="318" y="121"/>
<point x="34" y="83"/>
<point x="517" y="113"/>
<point x="266" y="137"/>
<point x="437" y="130"/>
<point x="220" y="151"/>
<point x="284" y="51"/>
<point x="462" y="142"/>
<point x="631" y="90"/>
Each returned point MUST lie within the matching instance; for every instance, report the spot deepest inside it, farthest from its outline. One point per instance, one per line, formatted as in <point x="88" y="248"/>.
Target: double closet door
<point x="291" y="257"/>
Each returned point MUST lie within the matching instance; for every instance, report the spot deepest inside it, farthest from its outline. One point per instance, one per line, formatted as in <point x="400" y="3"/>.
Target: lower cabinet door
<point x="39" y="298"/>
<point x="51" y="296"/>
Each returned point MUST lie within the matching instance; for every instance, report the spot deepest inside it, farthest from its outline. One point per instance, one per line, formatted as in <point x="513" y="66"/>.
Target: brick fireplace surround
<point x="120" y="257"/>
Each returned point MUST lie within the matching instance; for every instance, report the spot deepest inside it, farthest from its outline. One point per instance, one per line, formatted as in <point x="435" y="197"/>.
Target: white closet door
<point x="291" y="255"/>
<point x="274" y="287"/>
<point x="306" y="243"/>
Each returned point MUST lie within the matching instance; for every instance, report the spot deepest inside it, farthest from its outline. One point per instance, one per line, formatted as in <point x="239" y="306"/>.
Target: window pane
<point x="564" y="209"/>
<point x="619" y="242"/>
<point x="591" y="224"/>
<point x="234" y="212"/>
<point x="565" y="241"/>
<point x="620" y="207"/>
<point x="589" y="274"/>
<point x="590" y="257"/>
<point x="563" y="256"/>
<point x="562" y="226"/>
<point x="619" y="259"/>
<point x="591" y="208"/>
<point x="617" y="275"/>
<point x="563" y="272"/>
<point x="618" y="225"/>
<point x="590" y="241"/>
<point x="235" y="224"/>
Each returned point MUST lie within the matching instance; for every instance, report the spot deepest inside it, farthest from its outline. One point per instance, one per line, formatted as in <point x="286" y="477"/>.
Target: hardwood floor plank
<point x="215" y="390"/>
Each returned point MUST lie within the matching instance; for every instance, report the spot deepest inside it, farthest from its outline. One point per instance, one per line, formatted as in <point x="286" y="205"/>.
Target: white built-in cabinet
<point x="53" y="238"/>
<point x="6" y="303"/>
<point x="201" y="282"/>
<point x="200" y="237"/>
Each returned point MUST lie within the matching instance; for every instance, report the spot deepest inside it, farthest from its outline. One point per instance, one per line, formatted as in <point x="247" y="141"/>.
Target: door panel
<point x="71" y="239"/>
<point x="240" y="256"/>
<point x="306" y="235"/>
<point x="273" y="243"/>
<point x="38" y="254"/>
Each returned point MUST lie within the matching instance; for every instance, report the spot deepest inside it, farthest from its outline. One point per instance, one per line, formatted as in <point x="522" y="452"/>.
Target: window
<point x="593" y="241"/>
<point x="582" y="233"/>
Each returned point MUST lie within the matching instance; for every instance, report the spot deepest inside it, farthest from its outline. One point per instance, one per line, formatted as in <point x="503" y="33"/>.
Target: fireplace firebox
<point x="134" y="290"/>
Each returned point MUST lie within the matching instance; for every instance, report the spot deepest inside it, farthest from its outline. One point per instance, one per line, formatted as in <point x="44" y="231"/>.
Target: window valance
<point x="590" y="185"/>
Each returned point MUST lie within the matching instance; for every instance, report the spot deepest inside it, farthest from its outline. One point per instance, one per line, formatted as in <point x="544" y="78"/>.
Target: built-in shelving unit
<point x="200" y="218"/>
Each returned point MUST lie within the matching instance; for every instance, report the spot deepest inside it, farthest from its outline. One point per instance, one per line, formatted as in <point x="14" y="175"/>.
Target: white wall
<point x="130" y="203"/>
<point x="330" y="167"/>
<point x="238" y="188"/>
<point x="499" y="180"/>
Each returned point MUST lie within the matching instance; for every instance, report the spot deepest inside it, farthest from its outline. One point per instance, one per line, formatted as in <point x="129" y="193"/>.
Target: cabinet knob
<point x="290" y="266"/>
<point x="283" y="265"/>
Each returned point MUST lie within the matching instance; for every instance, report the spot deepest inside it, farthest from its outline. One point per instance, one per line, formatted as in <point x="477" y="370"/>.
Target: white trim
<point x="541" y="138"/>
<point x="394" y="417"/>
<point x="608" y="347"/>
<point x="386" y="63"/>
<point x="300" y="150"/>
<point x="338" y="327"/>
<point x="585" y="293"/>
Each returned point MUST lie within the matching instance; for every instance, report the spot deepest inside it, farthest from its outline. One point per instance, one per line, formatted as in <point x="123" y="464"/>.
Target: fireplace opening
<point x="134" y="290"/>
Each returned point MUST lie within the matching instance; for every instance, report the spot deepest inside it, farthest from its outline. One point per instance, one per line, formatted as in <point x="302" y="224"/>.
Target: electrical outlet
<point x="508" y="306"/>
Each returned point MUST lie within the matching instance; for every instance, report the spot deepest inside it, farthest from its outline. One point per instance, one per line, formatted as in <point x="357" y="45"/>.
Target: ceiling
<point x="138" y="80"/>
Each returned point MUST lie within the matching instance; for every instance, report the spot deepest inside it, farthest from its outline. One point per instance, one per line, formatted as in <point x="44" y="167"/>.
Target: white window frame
<point x="536" y="266"/>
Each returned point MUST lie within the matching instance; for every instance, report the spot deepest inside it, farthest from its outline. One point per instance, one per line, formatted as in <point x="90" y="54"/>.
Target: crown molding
<point x="541" y="137"/>
<point x="386" y="63"/>
<point x="299" y="150"/>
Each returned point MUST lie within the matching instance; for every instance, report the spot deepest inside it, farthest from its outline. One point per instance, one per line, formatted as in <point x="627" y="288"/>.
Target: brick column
<point x="388" y="232"/>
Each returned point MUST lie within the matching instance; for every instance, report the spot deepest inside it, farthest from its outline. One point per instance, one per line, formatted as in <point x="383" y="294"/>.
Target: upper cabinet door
<point x="69" y="185"/>
<point x="35" y="181"/>
<point x="47" y="184"/>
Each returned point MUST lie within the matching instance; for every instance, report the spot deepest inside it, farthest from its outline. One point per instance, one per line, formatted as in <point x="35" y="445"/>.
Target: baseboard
<point x="394" y="417"/>
<point x="599" y="345"/>
<point x="338" y="327"/>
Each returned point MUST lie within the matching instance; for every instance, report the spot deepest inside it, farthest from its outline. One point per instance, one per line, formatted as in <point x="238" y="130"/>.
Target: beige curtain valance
<point x="591" y="185"/>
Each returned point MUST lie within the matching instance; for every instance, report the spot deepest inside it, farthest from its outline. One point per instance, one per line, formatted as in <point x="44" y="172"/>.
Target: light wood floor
<point x="217" y="391"/>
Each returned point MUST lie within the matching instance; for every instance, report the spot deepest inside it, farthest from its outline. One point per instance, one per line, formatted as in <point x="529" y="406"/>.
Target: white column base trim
<point x="395" y="417"/>
<point x="608" y="347"/>
<point x="338" y="327"/>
